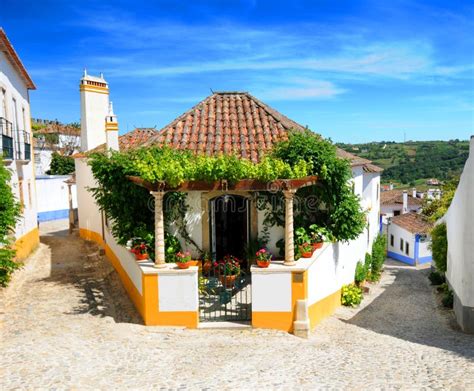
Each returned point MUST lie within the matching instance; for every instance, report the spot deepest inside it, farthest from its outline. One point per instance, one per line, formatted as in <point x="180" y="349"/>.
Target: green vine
<point x="9" y="213"/>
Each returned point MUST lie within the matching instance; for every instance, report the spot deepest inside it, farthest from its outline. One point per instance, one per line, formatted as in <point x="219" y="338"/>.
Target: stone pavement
<point x="66" y="322"/>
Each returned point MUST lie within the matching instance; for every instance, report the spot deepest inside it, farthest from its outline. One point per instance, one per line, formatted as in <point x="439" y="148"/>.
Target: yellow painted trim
<point x="150" y="298"/>
<point x="189" y="319"/>
<point x="132" y="291"/>
<point x="273" y="320"/>
<point x="98" y="89"/>
<point x="91" y="235"/>
<point x="111" y="126"/>
<point x="324" y="308"/>
<point x="26" y="244"/>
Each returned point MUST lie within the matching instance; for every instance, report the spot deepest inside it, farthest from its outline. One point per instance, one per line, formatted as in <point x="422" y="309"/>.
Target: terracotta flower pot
<point x="317" y="245"/>
<point x="305" y="253"/>
<point x="206" y="267"/>
<point x="141" y="257"/>
<point x="228" y="281"/>
<point x="263" y="264"/>
<point x="182" y="265"/>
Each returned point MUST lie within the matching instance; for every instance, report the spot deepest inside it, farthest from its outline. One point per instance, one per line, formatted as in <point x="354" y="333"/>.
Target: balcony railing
<point x="15" y="144"/>
<point x="6" y="130"/>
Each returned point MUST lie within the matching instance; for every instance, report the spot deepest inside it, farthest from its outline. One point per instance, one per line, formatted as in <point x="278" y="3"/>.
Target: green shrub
<point x="61" y="165"/>
<point x="367" y="265"/>
<point x="439" y="247"/>
<point x="436" y="278"/>
<point x="351" y="295"/>
<point x="360" y="273"/>
<point x="448" y="296"/>
<point x="378" y="257"/>
<point x="9" y="213"/>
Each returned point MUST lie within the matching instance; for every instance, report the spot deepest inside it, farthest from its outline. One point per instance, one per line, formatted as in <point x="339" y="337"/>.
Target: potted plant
<point x="141" y="251"/>
<point x="206" y="262"/>
<point x="318" y="236"/>
<point x="228" y="270"/>
<point x="264" y="257"/>
<point x="183" y="259"/>
<point x="304" y="243"/>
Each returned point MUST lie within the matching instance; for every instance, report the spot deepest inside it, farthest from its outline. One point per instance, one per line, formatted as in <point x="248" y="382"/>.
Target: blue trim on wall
<point x="401" y="258"/>
<point x="417" y="248"/>
<point x="427" y="259"/>
<point x="53" y="215"/>
<point x="380" y="224"/>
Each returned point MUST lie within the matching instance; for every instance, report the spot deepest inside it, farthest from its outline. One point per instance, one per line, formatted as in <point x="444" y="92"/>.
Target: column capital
<point x="289" y="193"/>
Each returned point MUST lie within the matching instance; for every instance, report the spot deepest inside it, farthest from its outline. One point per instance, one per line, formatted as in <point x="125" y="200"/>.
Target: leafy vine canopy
<point x="303" y="154"/>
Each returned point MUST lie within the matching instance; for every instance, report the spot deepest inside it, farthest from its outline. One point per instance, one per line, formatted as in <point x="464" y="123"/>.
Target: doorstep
<point x="225" y="325"/>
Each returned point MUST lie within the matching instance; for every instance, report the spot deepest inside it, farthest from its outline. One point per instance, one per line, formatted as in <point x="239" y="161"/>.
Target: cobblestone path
<point x="66" y="323"/>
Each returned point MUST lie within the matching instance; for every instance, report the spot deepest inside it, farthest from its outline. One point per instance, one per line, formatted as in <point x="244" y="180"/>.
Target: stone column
<point x="289" y="246"/>
<point x="159" y="230"/>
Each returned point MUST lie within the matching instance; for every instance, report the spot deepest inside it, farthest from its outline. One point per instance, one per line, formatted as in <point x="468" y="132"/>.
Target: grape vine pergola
<point x="287" y="186"/>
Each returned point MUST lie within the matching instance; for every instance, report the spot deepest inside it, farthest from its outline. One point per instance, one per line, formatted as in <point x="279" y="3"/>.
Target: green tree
<point x="61" y="165"/>
<point x="9" y="213"/>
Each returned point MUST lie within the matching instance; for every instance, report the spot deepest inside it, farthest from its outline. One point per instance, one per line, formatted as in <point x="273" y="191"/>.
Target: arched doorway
<point x="230" y="217"/>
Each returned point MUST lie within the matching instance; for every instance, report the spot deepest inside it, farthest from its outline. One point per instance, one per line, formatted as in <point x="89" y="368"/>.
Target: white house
<point x="408" y="239"/>
<point x="460" y="233"/>
<point x="52" y="136"/>
<point x="16" y="142"/>
<point x="292" y="294"/>
<point x="397" y="202"/>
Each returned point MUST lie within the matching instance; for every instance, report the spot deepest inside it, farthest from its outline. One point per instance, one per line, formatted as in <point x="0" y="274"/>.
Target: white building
<point x="397" y="202"/>
<point x="460" y="231"/>
<point x="408" y="239"/>
<point x="52" y="137"/>
<point x="16" y="142"/>
<point x="288" y="295"/>
<point x="54" y="195"/>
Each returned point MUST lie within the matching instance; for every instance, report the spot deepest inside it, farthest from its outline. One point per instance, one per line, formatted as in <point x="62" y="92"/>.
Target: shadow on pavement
<point x="408" y="310"/>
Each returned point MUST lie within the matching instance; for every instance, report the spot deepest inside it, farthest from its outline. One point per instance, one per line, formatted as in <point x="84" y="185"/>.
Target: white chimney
<point x="405" y="202"/>
<point x="94" y="106"/>
<point x="111" y="129"/>
<point x="414" y="193"/>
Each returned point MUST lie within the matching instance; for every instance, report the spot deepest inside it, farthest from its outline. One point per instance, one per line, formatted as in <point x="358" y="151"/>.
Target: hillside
<point x="412" y="162"/>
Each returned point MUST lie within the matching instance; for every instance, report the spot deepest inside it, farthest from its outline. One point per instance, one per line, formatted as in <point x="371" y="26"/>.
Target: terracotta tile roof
<point x="130" y="140"/>
<point x="412" y="222"/>
<point x="392" y="197"/>
<point x="232" y="122"/>
<point x="7" y="48"/>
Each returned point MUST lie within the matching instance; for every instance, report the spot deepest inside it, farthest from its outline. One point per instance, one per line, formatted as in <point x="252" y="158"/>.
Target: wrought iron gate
<point x="224" y="297"/>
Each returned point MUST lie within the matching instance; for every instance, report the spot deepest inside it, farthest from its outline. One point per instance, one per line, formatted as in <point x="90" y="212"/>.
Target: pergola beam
<point x="224" y="185"/>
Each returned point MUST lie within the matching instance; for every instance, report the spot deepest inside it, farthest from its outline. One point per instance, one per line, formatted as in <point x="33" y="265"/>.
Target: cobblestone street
<point x="66" y="322"/>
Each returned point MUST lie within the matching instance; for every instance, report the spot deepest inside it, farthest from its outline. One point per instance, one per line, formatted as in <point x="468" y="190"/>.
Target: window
<point x="15" y="115"/>
<point x="401" y="245"/>
<point x="392" y="240"/>
<point x="407" y="248"/>
<point x="396" y="213"/>
<point x="3" y="103"/>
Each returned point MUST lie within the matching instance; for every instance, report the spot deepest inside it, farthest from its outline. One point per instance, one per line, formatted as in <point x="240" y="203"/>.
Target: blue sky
<point x="353" y="71"/>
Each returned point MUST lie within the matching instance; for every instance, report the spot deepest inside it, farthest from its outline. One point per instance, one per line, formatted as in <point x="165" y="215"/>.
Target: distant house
<point x="408" y="239"/>
<point x="53" y="136"/>
<point x="433" y="182"/>
<point x="397" y="202"/>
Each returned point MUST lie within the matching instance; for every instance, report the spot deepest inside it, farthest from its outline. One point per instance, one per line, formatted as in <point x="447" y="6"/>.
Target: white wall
<point x="88" y="212"/>
<point x="424" y="248"/>
<point x="459" y="219"/>
<point x="276" y="233"/>
<point x="401" y="233"/>
<point x="53" y="195"/>
<point x="16" y="89"/>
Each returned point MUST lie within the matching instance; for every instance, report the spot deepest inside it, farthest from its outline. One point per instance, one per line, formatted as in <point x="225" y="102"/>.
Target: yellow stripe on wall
<point x="324" y="308"/>
<point x="26" y="244"/>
